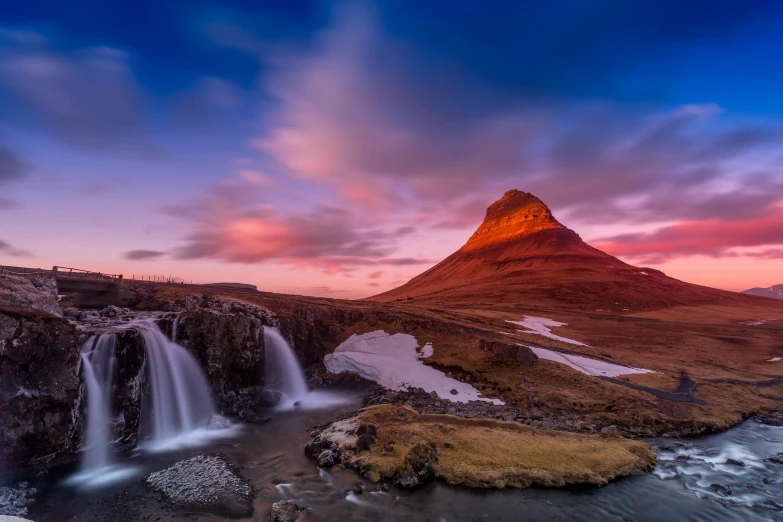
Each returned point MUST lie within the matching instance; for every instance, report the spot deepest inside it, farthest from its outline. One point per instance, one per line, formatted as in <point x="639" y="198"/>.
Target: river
<point x="271" y="456"/>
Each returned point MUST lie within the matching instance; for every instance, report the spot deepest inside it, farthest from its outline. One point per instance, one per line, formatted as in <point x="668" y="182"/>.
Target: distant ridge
<point x="522" y="255"/>
<point x="775" y="291"/>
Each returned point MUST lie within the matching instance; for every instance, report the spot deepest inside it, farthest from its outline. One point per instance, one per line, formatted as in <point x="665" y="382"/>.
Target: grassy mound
<point x="484" y="453"/>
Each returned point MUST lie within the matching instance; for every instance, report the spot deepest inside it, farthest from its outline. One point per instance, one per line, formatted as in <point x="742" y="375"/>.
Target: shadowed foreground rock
<point x="206" y="483"/>
<point x="39" y="384"/>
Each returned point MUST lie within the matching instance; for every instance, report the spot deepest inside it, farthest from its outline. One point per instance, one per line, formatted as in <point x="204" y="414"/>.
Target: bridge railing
<point x="25" y="272"/>
<point x="77" y="273"/>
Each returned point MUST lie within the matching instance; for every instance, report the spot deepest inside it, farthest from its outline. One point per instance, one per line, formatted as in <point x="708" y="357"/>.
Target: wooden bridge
<point x="91" y="289"/>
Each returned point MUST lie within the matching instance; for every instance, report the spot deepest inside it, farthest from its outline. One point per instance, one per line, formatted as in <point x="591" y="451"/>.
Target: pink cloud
<point x="376" y="275"/>
<point x="710" y="237"/>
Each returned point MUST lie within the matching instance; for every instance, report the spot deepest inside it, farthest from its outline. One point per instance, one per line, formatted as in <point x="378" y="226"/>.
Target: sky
<point x="340" y="148"/>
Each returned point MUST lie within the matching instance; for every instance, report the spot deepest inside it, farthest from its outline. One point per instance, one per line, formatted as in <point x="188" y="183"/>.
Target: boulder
<point x="205" y="483"/>
<point x="285" y="511"/>
<point x="418" y="468"/>
<point x="522" y="354"/>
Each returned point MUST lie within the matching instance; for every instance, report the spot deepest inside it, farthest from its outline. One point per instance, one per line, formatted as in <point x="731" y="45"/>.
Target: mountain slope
<point x="775" y="291"/>
<point x="521" y="255"/>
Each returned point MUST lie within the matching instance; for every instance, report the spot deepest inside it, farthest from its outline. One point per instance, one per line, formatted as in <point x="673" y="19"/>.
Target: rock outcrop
<point x="40" y="406"/>
<point x="33" y="292"/>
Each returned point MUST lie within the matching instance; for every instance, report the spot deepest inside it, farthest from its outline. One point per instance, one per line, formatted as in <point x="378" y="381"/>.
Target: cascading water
<point x="98" y="365"/>
<point x="174" y="326"/>
<point x="283" y="374"/>
<point x="180" y="401"/>
<point x="282" y="371"/>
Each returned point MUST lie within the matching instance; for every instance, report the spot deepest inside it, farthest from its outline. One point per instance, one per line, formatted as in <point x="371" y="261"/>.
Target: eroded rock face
<point x="40" y="410"/>
<point x="24" y="292"/>
<point x="206" y="483"/>
<point x="230" y="346"/>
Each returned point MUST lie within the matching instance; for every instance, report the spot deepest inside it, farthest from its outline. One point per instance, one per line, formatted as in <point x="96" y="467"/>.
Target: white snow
<point x="644" y="273"/>
<point x="586" y="365"/>
<point x="541" y="326"/>
<point x="394" y="362"/>
<point x="775" y="359"/>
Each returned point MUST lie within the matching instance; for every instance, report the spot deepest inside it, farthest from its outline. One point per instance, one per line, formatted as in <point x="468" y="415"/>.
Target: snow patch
<point x="586" y="365"/>
<point x="393" y="361"/>
<point x="542" y="326"/>
<point x="775" y="359"/>
<point x="644" y="273"/>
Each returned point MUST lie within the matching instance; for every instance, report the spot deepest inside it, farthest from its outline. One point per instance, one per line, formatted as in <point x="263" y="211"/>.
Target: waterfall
<point x="98" y="365"/>
<point x="174" y="329"/>
<point x="282" y="371"/>
<point x="181" y="400"/>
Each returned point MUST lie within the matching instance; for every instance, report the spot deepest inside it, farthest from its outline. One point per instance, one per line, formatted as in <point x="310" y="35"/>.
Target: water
<point x="271" y="458"/>
<point x="283" y="374"/>
<point x="174" y="326"/>
<point x="181" y="401"/>
<point x="99" y="363"/>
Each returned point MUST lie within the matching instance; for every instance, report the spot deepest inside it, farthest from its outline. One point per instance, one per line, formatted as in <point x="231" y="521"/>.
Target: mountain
<point x="521" y="255"/>
<point x="776" y="291"/>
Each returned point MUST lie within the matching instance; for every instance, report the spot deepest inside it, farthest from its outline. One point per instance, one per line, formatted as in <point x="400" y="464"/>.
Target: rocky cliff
<point x="41" y="391"/>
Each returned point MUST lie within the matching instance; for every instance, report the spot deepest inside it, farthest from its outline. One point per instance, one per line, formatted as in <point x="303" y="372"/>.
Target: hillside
<point x="522" y="256"/>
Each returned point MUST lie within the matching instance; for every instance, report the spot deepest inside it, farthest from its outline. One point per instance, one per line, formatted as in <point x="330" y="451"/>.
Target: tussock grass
<point x="495" y="454"/>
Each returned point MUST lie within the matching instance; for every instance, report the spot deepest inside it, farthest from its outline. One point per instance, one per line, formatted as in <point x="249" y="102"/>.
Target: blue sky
<point x="339" y="148"/>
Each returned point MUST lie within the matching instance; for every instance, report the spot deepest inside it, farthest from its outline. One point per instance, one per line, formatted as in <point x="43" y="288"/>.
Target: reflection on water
<point x="271" y="456"/>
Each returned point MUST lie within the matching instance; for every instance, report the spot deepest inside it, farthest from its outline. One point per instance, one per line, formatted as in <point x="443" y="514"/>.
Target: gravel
<point x="205" y="483"/>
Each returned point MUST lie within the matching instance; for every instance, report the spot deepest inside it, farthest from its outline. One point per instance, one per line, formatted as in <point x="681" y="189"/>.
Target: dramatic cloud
<point x="712" y="237"/>
<point x="426" y="137"/>
<point x="8" y="250"/>
<point x="143" y="255"/>
<point x="233" y="225"/>
<point x="88" y="97"/>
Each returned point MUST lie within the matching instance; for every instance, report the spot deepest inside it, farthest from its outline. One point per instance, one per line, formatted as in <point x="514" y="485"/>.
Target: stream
<point x="271" y="457"/>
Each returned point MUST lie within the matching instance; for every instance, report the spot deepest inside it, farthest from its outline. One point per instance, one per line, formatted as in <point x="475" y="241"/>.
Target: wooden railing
<point x="77" y="273"/>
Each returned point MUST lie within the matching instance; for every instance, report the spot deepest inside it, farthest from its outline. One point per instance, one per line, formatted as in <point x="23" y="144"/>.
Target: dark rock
<point x="721" y="488"/>
<point x="364" y="441"/>
<point x="205" y="483"/>
<point x="326" y="459"/>
<point x="418" y="468"/>
<point x="314" y="447"/>
<point x="735" y="462"/>
<point x="777" y="459"/>
<point x="771" y="504"/>
<point x="454" y="392"/>
<point x="683" y="458"/>
<point x="522" y="354"/>
<point x="39" y="385"/>
<point x="285" y="511"/>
